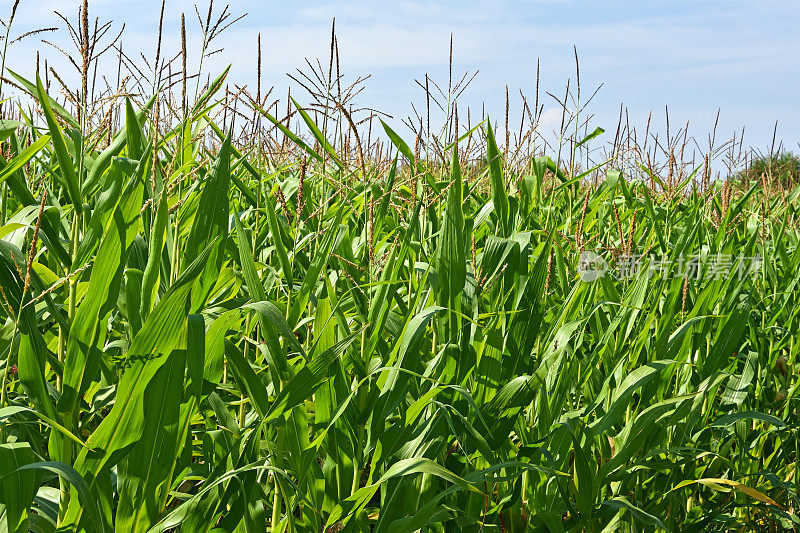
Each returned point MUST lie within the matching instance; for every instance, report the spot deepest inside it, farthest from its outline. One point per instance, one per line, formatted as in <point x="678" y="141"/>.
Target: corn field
<point x="216" y="318"/>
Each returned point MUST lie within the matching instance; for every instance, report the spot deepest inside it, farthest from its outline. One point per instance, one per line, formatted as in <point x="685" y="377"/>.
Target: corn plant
<point x="198" y="335"/>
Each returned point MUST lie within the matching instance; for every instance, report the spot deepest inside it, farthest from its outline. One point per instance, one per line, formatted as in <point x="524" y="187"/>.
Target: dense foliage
<point x="199" y="338"/>
<point x="784" y="167"/>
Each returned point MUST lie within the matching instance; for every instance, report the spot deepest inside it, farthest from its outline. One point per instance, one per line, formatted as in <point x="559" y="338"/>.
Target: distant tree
<point x="783" y="168"/>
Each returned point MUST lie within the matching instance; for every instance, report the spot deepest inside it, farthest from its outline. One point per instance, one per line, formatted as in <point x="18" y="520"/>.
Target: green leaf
<point x="268" y="316"/>
<point x="103" y="161"/>
<point x="22" y="158"/>
<point x="623" y="394"/>
<point x="120" y="172"/>
<point x="144" y="472"/>
<point x="727" y="420"/>
<point x="17" y="487"/>
<point x="8" y="412"/>
<point x="89" y="327"/>
<point x="620" y="502"/>
<point x="404" y="467"/>
<point x="211" y="219"/>
<point x="499" y="196"/>
<point x="32" y="89"/>
<point x="451" y="261"/>
<point x="276" y="231"/>
<point x="210" y="91"/>
<point x="152" y="272"/>
<point x="247" y="379"/>
<point x="597" y="131"/>
<point x="59" y="146"/>
<point x="196" y="352"/>
<point x="399" y="143"/>
<point x="318" y="134"/>
<point x="289" y="134"/>
<point x="716" y="483"/>
<point x="84" y="498"/>
<point x="307" y="380"/>
<point x="311" y="276"/>
<point x="7" y="127"/>
<point x="163" y="331"/>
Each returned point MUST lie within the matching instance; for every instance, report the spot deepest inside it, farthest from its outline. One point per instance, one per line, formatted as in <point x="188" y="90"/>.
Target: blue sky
<point x="692" y="56"/>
